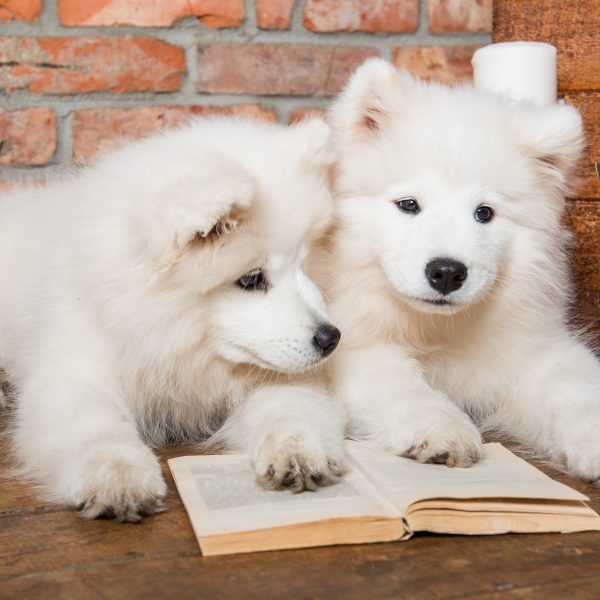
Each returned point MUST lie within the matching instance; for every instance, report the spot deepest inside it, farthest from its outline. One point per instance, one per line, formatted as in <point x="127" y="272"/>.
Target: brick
<point x="274" y="14"/>
<point x="453" y="16"/>
<point x="70" y="65"/>
<point x="20" y="10"/>
<point x="273" y="69"/>
<point x="11" y="185"/>
<point x="392" y="16"/>
<point x="446" y="64"/>
<point x="150" y="13"/>
<point x="98" y="130"/>
<point x="27" y="137"/>
<point x="307" y="112"/>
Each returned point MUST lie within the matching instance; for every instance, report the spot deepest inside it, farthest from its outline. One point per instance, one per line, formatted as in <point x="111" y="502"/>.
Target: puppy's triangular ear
<point x="554" y="137"/>
<point x="201" y="211"/>
<point x="314" y="138"/>
<point x="364" y="107"/>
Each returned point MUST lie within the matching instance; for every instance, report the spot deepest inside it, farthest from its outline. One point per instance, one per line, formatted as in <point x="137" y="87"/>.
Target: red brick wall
<point x="77" y="75"/>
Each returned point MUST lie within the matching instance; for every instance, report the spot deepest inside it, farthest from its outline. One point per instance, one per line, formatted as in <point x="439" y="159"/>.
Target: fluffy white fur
<point x="122" y="326"/>
<point x="498" y="348"/>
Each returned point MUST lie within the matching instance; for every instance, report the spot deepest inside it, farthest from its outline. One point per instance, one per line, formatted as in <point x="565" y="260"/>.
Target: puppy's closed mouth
<point x="437" y="305"/>
<point x="434" y="301"/>
<point x="437" y="302"/>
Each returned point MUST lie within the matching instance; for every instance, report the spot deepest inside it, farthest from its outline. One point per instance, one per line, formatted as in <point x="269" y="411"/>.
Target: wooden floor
<point x="48" y="552"/>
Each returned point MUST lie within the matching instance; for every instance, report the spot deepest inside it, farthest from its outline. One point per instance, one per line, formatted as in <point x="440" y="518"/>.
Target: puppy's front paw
<point x="446" y="437"/>
<point x="581" y="456"/>
<point x="123" y="487"/>
<point x="458" y="452"/>
<point x="298" y="461"/>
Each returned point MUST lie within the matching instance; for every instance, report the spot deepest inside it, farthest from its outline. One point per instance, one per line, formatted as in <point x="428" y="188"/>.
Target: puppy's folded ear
<point x="365" y="105"/>
<point x="202" y="210"/>
<point x="554" y="137"/>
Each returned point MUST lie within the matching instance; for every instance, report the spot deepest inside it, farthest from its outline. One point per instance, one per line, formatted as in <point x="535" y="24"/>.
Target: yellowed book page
<point x="488" y="523"/>
<point x="221" y="496"/>
<point x="498" y="474"/>
<point x="538" y="506"/>
<point x="356" y="530"/>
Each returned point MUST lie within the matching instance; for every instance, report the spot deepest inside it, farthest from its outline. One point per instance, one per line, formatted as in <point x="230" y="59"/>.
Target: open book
<point x="381" y="498"/>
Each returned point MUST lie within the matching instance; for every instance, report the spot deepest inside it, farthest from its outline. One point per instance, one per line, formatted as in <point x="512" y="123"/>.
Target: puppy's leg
<point x="293" y="434"/>
<point x="76" y="437"/>
<point x="555" y="407"/>
<point x="388" y="401"/>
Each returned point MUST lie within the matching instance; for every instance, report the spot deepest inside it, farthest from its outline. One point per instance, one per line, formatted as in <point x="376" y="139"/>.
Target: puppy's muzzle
<point x="326" y="339"/>
<point x="445" y="275"/>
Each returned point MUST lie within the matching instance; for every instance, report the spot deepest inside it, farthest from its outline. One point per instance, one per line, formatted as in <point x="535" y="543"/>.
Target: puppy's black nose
<point x="445" y="275"/>
<point x="326" y="338"/>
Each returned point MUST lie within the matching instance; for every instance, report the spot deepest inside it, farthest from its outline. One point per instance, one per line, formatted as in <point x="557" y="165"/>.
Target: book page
<point x="498" y="474"/>
<point x="221" y="496"/>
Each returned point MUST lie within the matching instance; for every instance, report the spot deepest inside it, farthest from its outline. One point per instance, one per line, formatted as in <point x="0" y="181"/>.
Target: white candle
<point x="518" y="70"/>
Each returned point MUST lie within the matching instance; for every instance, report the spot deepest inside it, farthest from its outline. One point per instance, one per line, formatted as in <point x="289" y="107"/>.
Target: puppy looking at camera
<point x="450" y="278"/>
<point x="159" y="292"/>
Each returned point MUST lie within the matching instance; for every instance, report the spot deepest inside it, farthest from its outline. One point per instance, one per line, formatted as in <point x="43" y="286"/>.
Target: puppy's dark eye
<point x="484" y="214"/>
<point x="408" y="205"/>
<point x="254" y="281"/>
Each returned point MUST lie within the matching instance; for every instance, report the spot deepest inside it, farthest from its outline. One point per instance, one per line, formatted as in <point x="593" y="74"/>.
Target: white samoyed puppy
<point x="160" y="292"/>
<point x="449" y="273"/>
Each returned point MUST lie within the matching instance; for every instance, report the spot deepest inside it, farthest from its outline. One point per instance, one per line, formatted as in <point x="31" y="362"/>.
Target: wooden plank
<point x="585" y="588"/>
<point x="427" y="566"/>
<point x="589" y="106"/>
<point x="29" y="541"/>
<point x="31" y="529"/>
<point x="583" y="218"/>
<point x="571" y="25"/>
<point x="52" y="554"/>
<point x="20" y="496"/>
<point x="160" y="556"/>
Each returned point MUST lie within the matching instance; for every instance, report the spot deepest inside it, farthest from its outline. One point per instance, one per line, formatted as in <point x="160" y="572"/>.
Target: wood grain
<point x="573" y="26"/>
<point x="48" y="552"/>
<point x="583" y="218"/>
<point x="588" y="104"/>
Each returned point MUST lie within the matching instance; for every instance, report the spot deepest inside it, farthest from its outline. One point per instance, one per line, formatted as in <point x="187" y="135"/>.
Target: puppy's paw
<point x="125" y="488"/>
<point x="582" y="458"/>
<point x="298" y="461"/>
<point x="448" y="437"/>
<point x="458" y="452"/>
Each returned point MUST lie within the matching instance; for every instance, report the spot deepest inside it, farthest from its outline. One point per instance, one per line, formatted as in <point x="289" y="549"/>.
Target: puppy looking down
<point x="450" y="277"/>
<point x="159" y="292"/>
